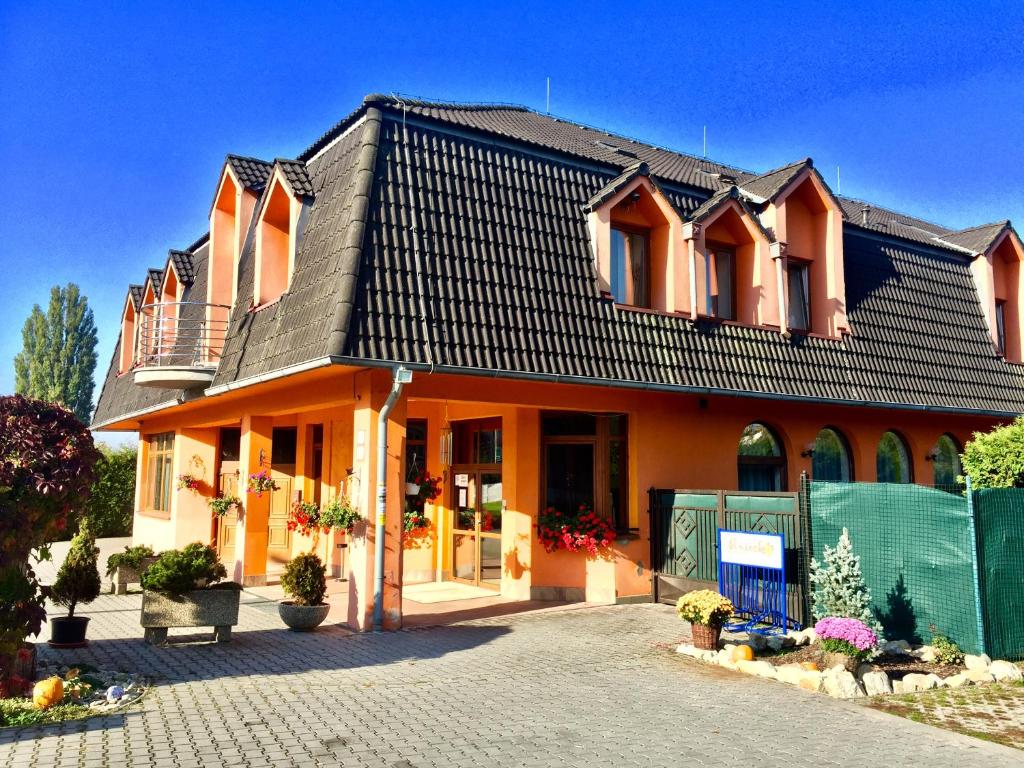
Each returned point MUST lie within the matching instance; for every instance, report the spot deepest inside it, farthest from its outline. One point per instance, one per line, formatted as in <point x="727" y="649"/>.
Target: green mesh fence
<point x="916" y="546"/>
<point x="999" y="515"/>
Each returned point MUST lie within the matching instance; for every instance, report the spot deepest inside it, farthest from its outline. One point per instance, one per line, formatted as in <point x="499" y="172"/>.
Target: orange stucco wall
<point x="675" y="440"/>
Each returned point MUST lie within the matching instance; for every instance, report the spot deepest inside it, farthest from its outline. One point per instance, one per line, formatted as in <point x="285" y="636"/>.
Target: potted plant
<point x="126" y="567"/>
<point x="261" y="482"/>
<point x="223" y="504"/>
<point x="424" y="487"/>
<point x="187" y="482"/>
<point x="846" y="642"/>
<point x="181" y="589"/>
<point x="706" y="610"/>
<point x="78" y="581"/>
<point x="305" y="580"/>
<point x="339" y="514"/>
<point x="574" y="531"/>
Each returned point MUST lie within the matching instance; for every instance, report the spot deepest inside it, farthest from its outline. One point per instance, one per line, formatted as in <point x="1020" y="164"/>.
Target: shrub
<point x="78" y="580"/>
<point x="839" y="634"/>
<point x="946" y="651"/>
<point x="111" y="503"/>
<point x="839" y="588"/>
<point x="996" y="459"/>
<point x="132" y="557"/>
<point x="704" y="606"/>
<point x="178" y="571"/>
<point x="305" y="579"/>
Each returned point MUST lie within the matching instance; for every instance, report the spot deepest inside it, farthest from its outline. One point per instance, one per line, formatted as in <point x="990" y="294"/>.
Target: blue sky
<point x="114" y="120"/>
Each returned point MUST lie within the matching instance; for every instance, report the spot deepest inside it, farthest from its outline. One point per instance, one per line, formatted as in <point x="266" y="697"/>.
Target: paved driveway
<point x="583" y="686"/>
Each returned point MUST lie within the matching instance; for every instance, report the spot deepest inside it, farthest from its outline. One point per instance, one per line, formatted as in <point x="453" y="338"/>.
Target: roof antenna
<point x="705" y="155"/>
<point x="839" y="182"/>
<point x="547" y="105"/>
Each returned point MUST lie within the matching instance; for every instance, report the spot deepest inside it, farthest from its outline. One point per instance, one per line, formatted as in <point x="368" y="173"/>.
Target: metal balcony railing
<point x="185" y="337"/>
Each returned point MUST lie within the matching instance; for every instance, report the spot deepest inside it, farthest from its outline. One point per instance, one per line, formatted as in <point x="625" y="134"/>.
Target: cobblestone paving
<point x="586" y="686"/>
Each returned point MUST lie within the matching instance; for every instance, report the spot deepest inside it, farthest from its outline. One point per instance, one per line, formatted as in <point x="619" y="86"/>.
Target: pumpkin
<point x="810" y="666"/>
<point x="48" y="692"/>
<point x="742" y="653"/>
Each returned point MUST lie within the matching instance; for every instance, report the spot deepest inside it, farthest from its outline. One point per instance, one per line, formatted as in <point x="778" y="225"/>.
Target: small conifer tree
<point x="838" y="584"/>
<point x="78" y="580"/>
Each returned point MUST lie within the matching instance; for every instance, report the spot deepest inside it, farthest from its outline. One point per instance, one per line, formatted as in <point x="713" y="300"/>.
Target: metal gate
<point x="684" y="541"/>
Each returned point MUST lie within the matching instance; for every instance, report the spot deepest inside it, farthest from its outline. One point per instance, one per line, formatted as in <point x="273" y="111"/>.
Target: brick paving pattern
<point x="584" y="686"/>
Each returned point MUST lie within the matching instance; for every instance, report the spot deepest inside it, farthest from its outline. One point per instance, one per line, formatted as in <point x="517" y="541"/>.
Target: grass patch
<point x="17" y="713"/>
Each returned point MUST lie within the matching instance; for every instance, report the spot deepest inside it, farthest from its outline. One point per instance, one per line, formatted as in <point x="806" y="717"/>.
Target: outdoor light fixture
<point x="933" y="454"/>
<point x="446" y="446"/>
<point x="808" y="451"/>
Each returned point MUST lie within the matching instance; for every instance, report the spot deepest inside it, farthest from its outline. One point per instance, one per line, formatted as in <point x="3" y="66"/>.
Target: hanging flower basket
<point x="339" y="514"/>
<point x="582" y="530"/>
<point x="187" y="482"/>
<point x="261" y="482"/>
<point x="427" y="488"/>
<point x="223" y="504"/>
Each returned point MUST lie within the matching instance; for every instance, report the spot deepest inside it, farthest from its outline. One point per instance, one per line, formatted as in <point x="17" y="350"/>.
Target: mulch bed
<point x="894" y="666"/>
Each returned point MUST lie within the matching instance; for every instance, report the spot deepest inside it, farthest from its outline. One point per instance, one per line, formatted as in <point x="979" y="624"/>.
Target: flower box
<point x="215" y="606"/>
<point x="125" y="575"/>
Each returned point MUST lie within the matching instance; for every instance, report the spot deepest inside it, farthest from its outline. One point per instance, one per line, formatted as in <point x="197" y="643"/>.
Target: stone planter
<point x="706" y="636"/>
<point x="216" y="607"/>
<point x="125" y="575"/>
<point x="302" y="618"/>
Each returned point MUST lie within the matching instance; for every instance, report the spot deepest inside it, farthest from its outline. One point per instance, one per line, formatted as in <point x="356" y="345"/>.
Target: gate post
<point x="974" y="565"/>
<point x="654" y="522"/>
<point x="806" y="551"/>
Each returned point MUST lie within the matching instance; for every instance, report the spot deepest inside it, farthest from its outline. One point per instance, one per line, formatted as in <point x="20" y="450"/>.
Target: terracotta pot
<point x="706" y="636"/>
<point x="844" y="660"/>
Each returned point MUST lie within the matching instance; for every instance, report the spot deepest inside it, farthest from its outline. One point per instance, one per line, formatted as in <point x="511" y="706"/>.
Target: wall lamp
<point x="808" y="451"/>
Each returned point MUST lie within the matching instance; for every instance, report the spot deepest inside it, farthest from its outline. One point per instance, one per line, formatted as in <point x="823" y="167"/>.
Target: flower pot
<point x="215" y="606"/>
<point x="706" y="636"/>
<point x="412" y="489"/>
<point x="302" y="618"/>
<point x="68" y="631"/>
<point x="844" y="660"/>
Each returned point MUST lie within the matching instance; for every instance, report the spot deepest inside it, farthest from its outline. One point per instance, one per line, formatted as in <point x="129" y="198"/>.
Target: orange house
<point x="543" y="316"/>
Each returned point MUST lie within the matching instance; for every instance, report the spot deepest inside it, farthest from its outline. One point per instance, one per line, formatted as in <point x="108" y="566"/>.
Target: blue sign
<point x="752" y="574"/>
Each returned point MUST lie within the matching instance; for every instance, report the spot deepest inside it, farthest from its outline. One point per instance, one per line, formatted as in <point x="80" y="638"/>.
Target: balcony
<point x="179" y="344"/>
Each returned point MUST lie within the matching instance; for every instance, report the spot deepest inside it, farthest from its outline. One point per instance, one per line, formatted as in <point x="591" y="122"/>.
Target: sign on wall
<point x="764" y="550"/>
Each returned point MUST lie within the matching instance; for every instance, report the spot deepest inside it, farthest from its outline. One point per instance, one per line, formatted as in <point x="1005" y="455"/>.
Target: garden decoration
<point x="846" y="642"/>
<point x="78" y="581"/>
<point x="187" y="482"/>
<point x="582" y="530"/>
<point x="424" y="488"/>
<point x="752" y="574"/>
<point x="339" y="514"/>
<point x="261" y="482"/>
<point x="181" y="589"/>
<point x="126" y="567"/>
<point x="71" y="693"/>
<point x="48" y="692"/>
<point x="221" y="505"/>
<point x="305" y="580"/>
<point x="706" y="610"/>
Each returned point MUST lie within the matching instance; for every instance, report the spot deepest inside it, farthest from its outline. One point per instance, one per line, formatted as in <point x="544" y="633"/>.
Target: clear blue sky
<point x="114" y="122"/>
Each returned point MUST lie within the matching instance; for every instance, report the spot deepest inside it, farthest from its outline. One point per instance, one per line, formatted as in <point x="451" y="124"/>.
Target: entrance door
<point x="282" y="470"/>
<point x="476" y="532"/>
<point x="227" y="485"/>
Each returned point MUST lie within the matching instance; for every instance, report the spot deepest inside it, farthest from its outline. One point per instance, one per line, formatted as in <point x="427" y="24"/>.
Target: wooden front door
<point x="282" y="470"/>
<point x="227" y="524"/>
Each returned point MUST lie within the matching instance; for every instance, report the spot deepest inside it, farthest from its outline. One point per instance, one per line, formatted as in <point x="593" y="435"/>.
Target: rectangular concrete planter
<point x="217" y="608"/>
<point x="125" y="575"/>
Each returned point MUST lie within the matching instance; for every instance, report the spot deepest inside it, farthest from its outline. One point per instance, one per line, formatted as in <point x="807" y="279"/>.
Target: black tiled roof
<point x="156" y="279"/>
<point x="251" y="172"/>
<point x="136" y="292"/>
<point x="468" y="247"/>
<point x="295" y="174"/>
<point x="182" y="261"/>
<point x="768" y="185"/>
<point x="977" y="239"/>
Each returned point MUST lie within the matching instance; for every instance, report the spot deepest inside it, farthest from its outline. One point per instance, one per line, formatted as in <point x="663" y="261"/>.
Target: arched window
<point x="831" y="460"/>
<point x="893" y="460"/>
<point x="761" y="461"/>
<point x="946" y="460"/>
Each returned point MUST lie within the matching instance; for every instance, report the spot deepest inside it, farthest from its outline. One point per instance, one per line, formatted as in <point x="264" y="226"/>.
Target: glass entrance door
<point x="476" y="533"/>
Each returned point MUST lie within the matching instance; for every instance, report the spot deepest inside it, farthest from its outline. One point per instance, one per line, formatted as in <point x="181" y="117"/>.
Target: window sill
<point x="156" y="514"/>
<point x="266" y="305"/>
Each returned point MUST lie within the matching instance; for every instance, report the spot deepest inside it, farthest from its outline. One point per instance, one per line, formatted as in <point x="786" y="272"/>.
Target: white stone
<point x="863" y="668"/>
<point x="758" y="668"/>
<point x="1005" y="672"/>
<point x="981" y="661"/>
<point x="789" y="673"/>
<point x="709" y="656"/>
<point x="841" y="684"/>
<point x="811" y="680"/>
<point x="915" y="682"/>
<point x="925" y="653"/>
<point x="896" y="647"/>
<point x="688" y="650"/>
<point x="979" y="676"/>
<point x="897" y="686"/>
<point x="956" y="681"/>
<point x="876" y="683"/>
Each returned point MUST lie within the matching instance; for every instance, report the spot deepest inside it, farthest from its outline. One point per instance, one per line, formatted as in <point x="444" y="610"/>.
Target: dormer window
<point x="277" y="230"/>
<point x="998" y="254"/>
<point x="630" y="267"/>
<point x="798" y="280"/>
<point x="721" y="282"/>
<point x="1001" y="326"/>
<point x="129" y="325"/>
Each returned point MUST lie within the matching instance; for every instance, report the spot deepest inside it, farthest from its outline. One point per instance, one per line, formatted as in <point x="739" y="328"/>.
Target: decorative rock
<point x="915" y="682"/>
<point x="810" y="681"/>
<point x="982" y="661"/>
<point x="979" y="676"/>
<point x="758" y="668"/>
<point x="1005" y="672"/>
<point x="925" y="653"/>
<point x="757" y="642"/>
<point x="115" y="693"/>
<point x="863" y="668"/>
<point x="876" y="683"/>
<point x="776" y="642"/>
<point x="841" y="684"/>
<point x="896" y="648"/>
<point x="956" y="681"/>
<point x="689" y="650"/>
<point x="789" y="673"/>
<point x="897" y="686"/>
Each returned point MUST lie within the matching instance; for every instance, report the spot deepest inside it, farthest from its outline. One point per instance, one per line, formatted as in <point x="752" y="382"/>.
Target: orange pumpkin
<point x="48" y="692"/>
<point x="809" y="665"/>
<point x="742" y="653"/>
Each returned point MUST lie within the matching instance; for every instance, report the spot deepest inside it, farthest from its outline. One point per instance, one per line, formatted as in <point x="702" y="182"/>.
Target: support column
<point x="254" y="523"/>
<point x="372" y="388"/>
<point x="196" y="455"/>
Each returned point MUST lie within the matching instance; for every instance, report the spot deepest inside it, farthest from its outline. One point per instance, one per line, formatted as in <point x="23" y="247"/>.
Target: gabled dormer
<point x="997" y="252"/>
<point x="242" y="181"/>
<point x="279" y="221"/>
<point x="636" y="238"/>
<point x="130" y="328"/>
<point x="730" y="256"/>
<point x="806" y="220"/>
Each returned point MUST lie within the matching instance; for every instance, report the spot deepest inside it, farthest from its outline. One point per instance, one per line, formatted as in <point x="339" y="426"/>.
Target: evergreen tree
<point x="78" y="580"/>
<point x="839" y="588"/>
<point x="58" y="355"/>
